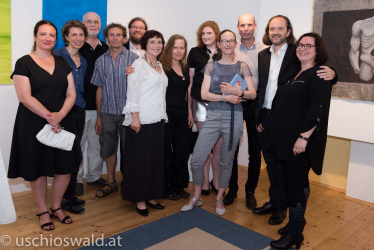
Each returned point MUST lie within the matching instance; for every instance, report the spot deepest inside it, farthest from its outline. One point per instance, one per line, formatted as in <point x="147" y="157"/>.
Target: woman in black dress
<point x="174" y="62"/>
<point x="45" y="89"/>
<point x="299" y="132"/>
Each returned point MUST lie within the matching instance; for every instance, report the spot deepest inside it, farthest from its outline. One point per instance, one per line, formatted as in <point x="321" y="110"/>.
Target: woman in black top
<point x="173" y="60"/>
<point x="299" y="132"/>
<point x="206" y="51"/>
<point x="45" y="88"/>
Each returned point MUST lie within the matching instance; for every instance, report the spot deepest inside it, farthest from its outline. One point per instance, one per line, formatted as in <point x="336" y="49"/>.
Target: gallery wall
<point x="184" y="17"/>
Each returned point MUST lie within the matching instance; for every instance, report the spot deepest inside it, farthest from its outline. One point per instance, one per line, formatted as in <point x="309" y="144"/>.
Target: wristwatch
<point x="304" y="138"/>
<point x="242" y="94"/>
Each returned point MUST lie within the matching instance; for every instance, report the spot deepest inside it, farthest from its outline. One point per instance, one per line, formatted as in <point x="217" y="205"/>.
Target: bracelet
<point x="242" y="94"/>
<point x="304" y="138"/>
<point x="222" y="98"/>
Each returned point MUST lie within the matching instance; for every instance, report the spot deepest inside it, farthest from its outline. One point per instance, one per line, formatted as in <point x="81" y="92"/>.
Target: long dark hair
<point x="290" y="39"/>
<point x="166" y="57"/>
<point x="36" y="28"/>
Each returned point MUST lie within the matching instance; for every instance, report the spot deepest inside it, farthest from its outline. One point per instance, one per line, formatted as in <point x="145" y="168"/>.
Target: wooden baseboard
<point x="328" y="186"/>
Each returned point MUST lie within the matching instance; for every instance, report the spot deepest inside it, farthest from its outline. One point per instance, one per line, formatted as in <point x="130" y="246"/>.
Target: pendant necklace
<point x="155" y="66"/>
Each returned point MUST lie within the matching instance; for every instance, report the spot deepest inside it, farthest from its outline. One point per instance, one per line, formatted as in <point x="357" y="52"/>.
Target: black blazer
<point x="288" y="69"/>
<point x="127" y="45"/>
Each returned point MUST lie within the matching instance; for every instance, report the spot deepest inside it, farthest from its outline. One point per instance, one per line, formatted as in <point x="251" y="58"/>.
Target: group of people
<point x="146" y="96"/>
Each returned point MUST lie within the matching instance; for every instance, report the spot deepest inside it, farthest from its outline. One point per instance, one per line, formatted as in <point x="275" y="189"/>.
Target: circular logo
<point x="5" y="240"/>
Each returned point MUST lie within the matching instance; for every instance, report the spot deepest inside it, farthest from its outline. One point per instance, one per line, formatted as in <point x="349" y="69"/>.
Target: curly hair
<point x="115" y="25"/>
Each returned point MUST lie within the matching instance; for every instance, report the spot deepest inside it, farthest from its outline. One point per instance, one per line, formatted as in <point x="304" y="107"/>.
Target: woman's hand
<point x="326" y="73"/>
<point x="54" y="118"/>
<point x="234" y="99"/>
<point x="226" y="88"/>
<point x="130" y="69"/>
<point x="190" y="120"/>
<point x="135" y="123"/>
<point x="56" y="129"/>
<point x="299" y="146"/>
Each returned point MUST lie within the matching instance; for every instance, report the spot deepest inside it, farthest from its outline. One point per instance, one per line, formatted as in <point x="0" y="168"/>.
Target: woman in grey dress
<point x="224" y="117"/>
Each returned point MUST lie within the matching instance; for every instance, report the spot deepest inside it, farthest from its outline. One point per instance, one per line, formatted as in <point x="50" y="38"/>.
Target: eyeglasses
<point x="90" y="22"/>
<point x="224" y="42"/>
<point x="137" y="27"/>
<point x="306" y="46"/>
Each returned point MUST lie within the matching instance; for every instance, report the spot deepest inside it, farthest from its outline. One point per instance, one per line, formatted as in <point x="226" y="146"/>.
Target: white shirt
<point x="250" y="56"/>
<point x="275" y="65"/>
<point x="139" y="52"/>
<point x="146" y="91"/>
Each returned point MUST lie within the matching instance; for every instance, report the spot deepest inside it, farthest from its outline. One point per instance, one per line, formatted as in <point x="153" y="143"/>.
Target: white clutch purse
<point x="63" y="140"/>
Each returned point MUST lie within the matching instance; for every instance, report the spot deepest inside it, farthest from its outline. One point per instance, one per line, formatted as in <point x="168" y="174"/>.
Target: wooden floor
<point x="333" y="220"/>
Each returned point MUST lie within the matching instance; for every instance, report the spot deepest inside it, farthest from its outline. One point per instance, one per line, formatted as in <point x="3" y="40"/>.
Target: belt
<point x="269" y="111"/>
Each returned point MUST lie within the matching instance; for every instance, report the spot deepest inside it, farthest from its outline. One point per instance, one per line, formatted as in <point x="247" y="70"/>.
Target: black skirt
<point x="143" y="164"/>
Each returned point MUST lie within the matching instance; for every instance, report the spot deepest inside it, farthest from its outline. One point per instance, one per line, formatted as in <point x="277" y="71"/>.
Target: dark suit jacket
<point x="127" y="45"/>
<point x="287" y="71"/>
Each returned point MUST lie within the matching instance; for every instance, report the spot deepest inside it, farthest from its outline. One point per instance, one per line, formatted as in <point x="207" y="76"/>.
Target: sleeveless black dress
<point x="29" y="158"/>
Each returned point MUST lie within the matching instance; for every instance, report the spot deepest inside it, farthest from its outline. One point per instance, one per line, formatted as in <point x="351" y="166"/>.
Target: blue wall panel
<point x="59" y="12"/>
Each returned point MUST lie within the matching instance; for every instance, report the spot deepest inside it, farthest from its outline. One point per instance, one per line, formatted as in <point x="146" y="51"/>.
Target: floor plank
<point x="333" y="221"/>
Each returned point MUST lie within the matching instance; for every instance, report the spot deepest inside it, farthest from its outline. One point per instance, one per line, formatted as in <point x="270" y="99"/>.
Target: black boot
<point x="283" y="230"/>
<point x="294" y="234"/>
<point x="287" y="241"/>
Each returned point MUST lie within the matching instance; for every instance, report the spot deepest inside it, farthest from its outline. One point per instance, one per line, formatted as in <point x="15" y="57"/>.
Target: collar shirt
<point x="250" y="56"/>
<point x="91" y="55"/>
<point x="78" y="75"/>
<point x="140" y="52"/>
<point x="275" y="65"/>
<point x="146" y="94"/>
<point x="110" y="75"/>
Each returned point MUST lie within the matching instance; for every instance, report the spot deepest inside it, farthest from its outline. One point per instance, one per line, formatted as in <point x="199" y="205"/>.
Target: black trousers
<point x="275" y="171"/>
<point x="177" y="150"/>
<point x="254" y="151"/>
<point x="78" y="116"/>
<point x="296" y="179"/>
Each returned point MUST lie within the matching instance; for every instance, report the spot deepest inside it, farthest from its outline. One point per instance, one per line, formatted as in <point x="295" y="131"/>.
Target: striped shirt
<point x="110" y="75"/>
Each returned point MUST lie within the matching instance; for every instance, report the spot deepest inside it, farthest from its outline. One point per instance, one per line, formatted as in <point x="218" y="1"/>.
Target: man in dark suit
<point x="137" y="28"/>
<point x="275" y="69"/>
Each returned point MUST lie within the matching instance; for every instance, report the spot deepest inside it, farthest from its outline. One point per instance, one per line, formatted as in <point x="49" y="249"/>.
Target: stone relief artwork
<point x="363" y="34"/>
<point x="347" y="28"/>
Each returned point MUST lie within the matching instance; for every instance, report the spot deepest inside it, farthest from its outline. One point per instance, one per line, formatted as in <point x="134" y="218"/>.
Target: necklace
<point x="155" y="66"/>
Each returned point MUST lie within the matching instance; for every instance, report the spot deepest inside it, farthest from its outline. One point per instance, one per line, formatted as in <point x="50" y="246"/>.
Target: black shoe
<point x="283" y="230"/>
<point x="68" y="205"/>
<point x="184" y="195"/>
<point x="173" y="197"/>
<point x="78" y="202"/>
<point x="229" y="198"/>
<point x="142" y="212"/>
<point x="155" y="206"/>
<point x="99" y="182"/>
<point x="79" y="189"/>
<point x="277" y="217"/>
<point x="213" y="187"/>
<point x="205" y="192"/>
<point x="287" y="241"/>
<point x="251" y="200"/>
<point x="267" y="208"/>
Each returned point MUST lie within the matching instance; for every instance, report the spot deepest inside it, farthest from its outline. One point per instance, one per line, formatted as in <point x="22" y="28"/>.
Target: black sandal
<point x="63" y="220"/>
<point x="46" y="224"/>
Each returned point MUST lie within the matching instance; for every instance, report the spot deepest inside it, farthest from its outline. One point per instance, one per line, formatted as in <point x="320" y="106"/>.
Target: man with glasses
<point x="92" y="49"/>
<point x="247" y="50"/>
<point x="275" y="68"/>
<point x="137" y="28"/>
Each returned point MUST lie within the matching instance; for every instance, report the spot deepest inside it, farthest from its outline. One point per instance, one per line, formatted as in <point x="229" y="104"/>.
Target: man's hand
<point x="326" y="73"/>
<point x="130" y="69"/>
<point x="260" y="128"/>
<point x="98" y="126"/>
